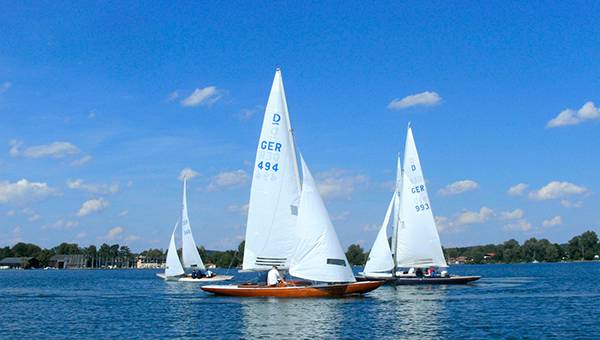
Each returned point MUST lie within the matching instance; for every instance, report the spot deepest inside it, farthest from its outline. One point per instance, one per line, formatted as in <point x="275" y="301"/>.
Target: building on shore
<point x="78" y="261"/>
<point x="19" y="263"/>
<point x="144" y="262"/>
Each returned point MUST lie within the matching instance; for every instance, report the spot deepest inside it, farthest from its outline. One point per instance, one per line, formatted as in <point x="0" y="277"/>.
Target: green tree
<point x="25" y="249"/>
<point x="356" y="255"/>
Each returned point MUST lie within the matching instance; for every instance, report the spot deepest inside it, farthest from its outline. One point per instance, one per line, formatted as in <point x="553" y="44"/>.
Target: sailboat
<point x="415" y="240"/>
<point x="288" y="225"/>
<point x="191" y="257"/>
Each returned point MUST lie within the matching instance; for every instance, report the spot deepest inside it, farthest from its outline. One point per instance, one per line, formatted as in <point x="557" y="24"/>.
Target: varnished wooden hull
<point x="295" y="291"/>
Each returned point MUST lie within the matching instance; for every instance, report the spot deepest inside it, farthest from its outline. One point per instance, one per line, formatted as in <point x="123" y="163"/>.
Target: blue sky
<point x="102" y="106"/>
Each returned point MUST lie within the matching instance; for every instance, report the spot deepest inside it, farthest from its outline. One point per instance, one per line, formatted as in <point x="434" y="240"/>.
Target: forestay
<point x="319" y="255"/>
<point x="191" y="257"/>
<point x="275" y="190"/>
<point x="418" y="242"/>
<point x="380" y="256"/>
<point x="173" y="267"/>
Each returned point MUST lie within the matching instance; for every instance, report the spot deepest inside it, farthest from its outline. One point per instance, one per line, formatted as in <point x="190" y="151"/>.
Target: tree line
<point x="583" y="247"/>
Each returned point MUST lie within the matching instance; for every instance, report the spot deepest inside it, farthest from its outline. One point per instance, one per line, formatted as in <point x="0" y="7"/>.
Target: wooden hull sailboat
<point x="288" y="225"/>
<point x="301" y="290"/>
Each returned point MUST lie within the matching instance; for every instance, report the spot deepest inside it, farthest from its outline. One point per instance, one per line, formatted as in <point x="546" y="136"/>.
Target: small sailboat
<point x="191" y="257"/>
<point x="288" y="225"/>
<point x="415" y="240"/>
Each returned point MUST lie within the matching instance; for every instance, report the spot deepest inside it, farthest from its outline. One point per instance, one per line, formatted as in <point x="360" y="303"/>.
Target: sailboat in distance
<point x="288" y="225"/>
<point x="416" y="243"/>
<point x="191" y="257"/>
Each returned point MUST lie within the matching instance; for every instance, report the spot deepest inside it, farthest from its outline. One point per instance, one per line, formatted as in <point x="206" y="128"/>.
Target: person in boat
<point x="210" y="274"/>
<point x="274" y="278"/>
<point x="419" y="272"/>
<point x="411" y="271"/>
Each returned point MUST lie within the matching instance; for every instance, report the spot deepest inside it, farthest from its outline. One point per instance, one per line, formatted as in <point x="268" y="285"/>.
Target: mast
<point x="397" y="206"/>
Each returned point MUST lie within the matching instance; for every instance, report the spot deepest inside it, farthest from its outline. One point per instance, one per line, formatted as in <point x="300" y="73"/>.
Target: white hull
<point x="206" y="279"/>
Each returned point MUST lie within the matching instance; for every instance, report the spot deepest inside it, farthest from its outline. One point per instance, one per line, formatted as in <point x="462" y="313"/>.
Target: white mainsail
<point x="191" y="257"/>
<point x="380" y="257"/>
<point x="275" y="190"/>
<point x="173" y="267"/>
<point x="418" y="242"/>
<point x="319" y="255"/>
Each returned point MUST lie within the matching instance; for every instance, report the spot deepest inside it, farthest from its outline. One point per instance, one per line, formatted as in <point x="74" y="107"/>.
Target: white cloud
<point x="173" y="96"/>
<point x="187" y="173"/>
<point x="338" y="183"/>
<point x="62" y="224"/>
<point x="512" y="215"/>
<point x="123" y="213"/>
<point x="79" y="184"/>
<point x="81" y="160"/>
<point x="114" y="233"/>
<point x="426" y="98"/>
<point x="227" y="179"/>
<point x="205" y="96"/>
<point x="517" y="190"/>
<point x="442" y="223"/>
<point x="520" y="225"/>
<point x="473" y="217"/>
<point x="557" y="189"/>
<point x="247" y="114"/>
<point x="239" y="209"/>
<point x="81" y="235"/>
<point x="569" y="204"/>
<point x="341" y="216"/>
<point x="23" y="190"/>
<point x="5" y="86"/>
<point x="370" y="227"/>
<point x="554" y="221"/>
<point x="459" y="187"/>
<point x="54" y="150"/>
<point x="571" y="117"/>
<point x="131" y="238"/>
<point x="93" y="205"/>
<point x="15" y="147"/>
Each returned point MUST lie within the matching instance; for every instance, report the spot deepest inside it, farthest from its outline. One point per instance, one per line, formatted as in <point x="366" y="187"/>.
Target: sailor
<point x="209" y="273"/>
<point x="273" y="277"/>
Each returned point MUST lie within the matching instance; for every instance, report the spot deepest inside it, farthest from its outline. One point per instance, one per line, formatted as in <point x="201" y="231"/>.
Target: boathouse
<point x="68" y="261"/>
<point x="20" y="262"/>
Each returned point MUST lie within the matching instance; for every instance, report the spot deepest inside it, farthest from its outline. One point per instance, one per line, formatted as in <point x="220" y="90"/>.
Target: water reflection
<point x="296" y="318"/>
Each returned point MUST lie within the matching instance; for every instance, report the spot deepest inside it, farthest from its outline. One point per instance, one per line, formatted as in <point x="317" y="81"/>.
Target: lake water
<point x="525" y="300"/>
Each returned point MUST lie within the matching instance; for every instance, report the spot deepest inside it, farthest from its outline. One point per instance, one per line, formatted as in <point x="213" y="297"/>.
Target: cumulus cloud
<point x="82" y="160"/>
<point x="570" y="204"/>
<point x="23" y="190"/>
<point x="426" y="98"/>
<point x="62" y="224"/>
<point x="91" y="206"/>
<point x="459" y="187"/>
<point x="571" y="117"/>
<point x="554" y="221"/>
<point x="239" y="209"/>
<point x="557" y="189"/>
<point x="202" y="96"/>
<point x="370" y="227"/>
<point x="79" y="184"/>
<point x="519" y="225"/>
<point x="187" y="173"/>
<point x="517" y="190"/>
<point x="339" y="183"/>
<point x="54" y="150"/>
<point x="113" y="233"/>
<point x="512" y="215"/>
<point x="247" y="114"/>
<point x="227" y="179"/>
<point x="123" y="213"/>
<point x="341" y="216"/>
<point x="473" y="217"/>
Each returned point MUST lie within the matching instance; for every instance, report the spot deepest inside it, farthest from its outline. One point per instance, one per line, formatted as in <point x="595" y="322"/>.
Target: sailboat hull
<point x="434" y="280"/>
<point x="295" y="291"/>
<point x="206" y="279"/>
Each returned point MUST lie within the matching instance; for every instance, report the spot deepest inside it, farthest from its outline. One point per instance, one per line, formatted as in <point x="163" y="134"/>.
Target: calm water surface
<point x="526" y="300"/>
